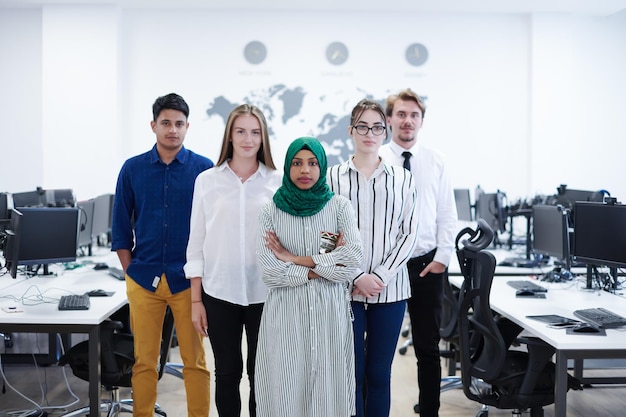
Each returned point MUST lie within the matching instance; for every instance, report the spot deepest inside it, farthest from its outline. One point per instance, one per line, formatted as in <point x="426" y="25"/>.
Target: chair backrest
<point x="483" y="349"/>
<point x="116" y="353"/>
<point x="450" y="312"/>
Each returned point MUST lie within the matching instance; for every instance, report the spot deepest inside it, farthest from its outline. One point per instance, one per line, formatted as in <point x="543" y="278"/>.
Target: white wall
<point x="80" y="98"/>
<point x="520" y="103"/>
<point x="21" y="147"/>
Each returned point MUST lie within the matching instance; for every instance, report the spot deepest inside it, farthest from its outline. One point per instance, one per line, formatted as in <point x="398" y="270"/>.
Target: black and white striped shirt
<point x="386" y="210"/>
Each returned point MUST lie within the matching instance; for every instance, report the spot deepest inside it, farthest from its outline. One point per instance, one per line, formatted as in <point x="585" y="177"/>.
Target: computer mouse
<point x="585" y="328"/>
<point x="97" y="293"/>
<point x="525" y="292"/>
<point x="100" y="265"/>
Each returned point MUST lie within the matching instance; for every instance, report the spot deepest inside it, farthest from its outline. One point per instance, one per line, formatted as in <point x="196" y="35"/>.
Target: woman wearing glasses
<point x="384" y="199"/>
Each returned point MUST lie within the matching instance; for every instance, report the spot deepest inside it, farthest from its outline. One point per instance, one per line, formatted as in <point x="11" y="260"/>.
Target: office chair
<point x="493" y="374"/>
<point x="117" y="359"/>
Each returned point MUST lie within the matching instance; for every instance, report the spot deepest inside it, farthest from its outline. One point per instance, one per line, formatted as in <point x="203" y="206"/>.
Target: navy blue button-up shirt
<point x="151" y="213"/>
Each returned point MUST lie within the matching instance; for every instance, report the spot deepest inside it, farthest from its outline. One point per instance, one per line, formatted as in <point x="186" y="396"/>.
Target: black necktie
<point x="407" y="160"/>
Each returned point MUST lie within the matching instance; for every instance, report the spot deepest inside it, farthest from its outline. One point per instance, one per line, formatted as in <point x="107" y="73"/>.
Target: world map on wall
<point x="292" y="112"/>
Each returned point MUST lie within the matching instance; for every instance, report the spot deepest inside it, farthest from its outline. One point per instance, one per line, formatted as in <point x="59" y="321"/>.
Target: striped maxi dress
<point x="305" y="353"/>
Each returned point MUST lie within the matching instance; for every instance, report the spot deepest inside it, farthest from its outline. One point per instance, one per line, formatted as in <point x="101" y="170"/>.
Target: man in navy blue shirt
<point x="149" y="233"/>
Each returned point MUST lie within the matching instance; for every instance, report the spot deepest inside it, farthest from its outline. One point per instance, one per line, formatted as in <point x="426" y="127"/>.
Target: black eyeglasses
<point x="364" y="130"/>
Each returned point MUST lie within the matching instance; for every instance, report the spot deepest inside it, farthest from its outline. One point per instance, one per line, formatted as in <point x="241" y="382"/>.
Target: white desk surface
<point x="502" y="254"/>
<point x="38" y="296"/>
<point x="561" y="299"/>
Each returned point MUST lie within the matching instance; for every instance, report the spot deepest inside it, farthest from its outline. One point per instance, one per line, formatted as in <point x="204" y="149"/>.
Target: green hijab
<point x="303" y="203"/>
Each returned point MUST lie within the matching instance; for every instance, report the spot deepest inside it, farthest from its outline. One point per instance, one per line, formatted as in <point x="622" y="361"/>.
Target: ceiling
<point x="579" y="7"/>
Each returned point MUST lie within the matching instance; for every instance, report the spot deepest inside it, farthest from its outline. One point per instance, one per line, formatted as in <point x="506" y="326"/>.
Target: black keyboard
<point x="518" y="285"/>
<point x="74" y="302"/>
<point x="601" y="317"/>
<point x="117" y="273"/>
<point x="521" y="262"/>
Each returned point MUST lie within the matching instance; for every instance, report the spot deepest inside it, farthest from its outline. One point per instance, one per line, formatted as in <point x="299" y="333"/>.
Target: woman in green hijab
<point x="308" y="250"/>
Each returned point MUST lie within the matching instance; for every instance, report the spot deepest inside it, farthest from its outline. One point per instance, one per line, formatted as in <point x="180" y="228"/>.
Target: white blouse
<point x="222" y="240"/>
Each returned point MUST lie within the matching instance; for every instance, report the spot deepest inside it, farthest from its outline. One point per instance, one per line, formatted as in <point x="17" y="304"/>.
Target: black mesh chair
<point x="117" y="359"/>
<point x="492" y="373"/>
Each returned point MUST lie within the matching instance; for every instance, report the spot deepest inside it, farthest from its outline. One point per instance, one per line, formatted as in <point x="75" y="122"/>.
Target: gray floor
<point x="53" y="387"/>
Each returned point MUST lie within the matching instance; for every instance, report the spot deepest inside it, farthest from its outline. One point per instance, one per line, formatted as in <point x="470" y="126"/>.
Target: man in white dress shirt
<point x="435" y="238"/>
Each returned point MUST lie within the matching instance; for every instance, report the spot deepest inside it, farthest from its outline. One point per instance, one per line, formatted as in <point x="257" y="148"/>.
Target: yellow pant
<point x="147" y="311"/>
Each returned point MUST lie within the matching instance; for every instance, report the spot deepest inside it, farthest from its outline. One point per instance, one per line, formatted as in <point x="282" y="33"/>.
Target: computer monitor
<point x="12" y="242"/>
<point x="551" y="238"/>
<point x="103" y="206"/>
<point x="600" y="234"/>
<point x="567" y="197"/>
<point x="85" y="233"/>
<point x="60" y="198"/>
<point x="4" y="210"/>
<point x="48" y="235"/>
<point x="463" y="204"/>
<point x="35" y="198"/>
<point x="491" y="207"/>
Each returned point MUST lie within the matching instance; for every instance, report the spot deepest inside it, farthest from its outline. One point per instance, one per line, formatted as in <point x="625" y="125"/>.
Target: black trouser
<point x="226" y="322"/>
<point x="425" y="306"/>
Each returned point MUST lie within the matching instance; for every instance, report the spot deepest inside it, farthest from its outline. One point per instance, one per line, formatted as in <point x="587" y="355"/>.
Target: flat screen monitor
<point x="600" y="234"/>
<point x="30" y="199"/>
<point x="463" y="204"/>
<point x="4" y="210"/>
<point x="567" y="197"/>
<point x="103" y="205"/>
<point x="60" y="198"/>
<point x="551" y="233"/>
<point x="48" y="235"/>
<point x="491" y="208"/>
<point x="12" y="242"/>
<point x="4" y="206"/>
<point x="85" y="234"/>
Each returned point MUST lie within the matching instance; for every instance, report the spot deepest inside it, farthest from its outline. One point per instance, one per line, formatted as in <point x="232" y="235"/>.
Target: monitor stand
<point x="35" y="270"/>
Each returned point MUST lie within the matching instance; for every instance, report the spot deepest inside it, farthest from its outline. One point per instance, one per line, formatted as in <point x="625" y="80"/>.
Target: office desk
<point x="561" y="299"/>
<point x="46" y="318"/>
<point x="512" y="271"/>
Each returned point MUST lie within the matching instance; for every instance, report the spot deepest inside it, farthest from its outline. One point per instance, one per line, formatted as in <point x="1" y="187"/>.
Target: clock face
<point x="337" y="53"/>
<point x="416" y="54"/>
<point x="255" y="52"/>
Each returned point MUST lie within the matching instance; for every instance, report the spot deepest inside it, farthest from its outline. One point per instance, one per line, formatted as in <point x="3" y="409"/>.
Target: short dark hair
<point x="170" y="101"/>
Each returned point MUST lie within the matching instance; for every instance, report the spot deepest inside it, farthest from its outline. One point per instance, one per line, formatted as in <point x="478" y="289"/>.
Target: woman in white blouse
<point x="309" y="247"/>
<point x="226" y="289"/>
<point x="384" y="199"/>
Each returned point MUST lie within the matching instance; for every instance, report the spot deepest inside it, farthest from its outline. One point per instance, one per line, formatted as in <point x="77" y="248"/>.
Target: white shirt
<point x="386" y="210"/>
<point x="223" y="235"/>
<point x="437" y="209"/>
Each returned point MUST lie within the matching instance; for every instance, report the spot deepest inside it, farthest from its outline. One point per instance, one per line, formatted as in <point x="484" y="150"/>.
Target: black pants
<point x="226" y="322"/>
<point x="425" y="306"/>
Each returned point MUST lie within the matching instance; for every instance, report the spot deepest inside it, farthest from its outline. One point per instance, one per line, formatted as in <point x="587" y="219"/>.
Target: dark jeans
<point x="376" y="331"/>
<point x="226" y="322"/>
<point x="425" y="306"/>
